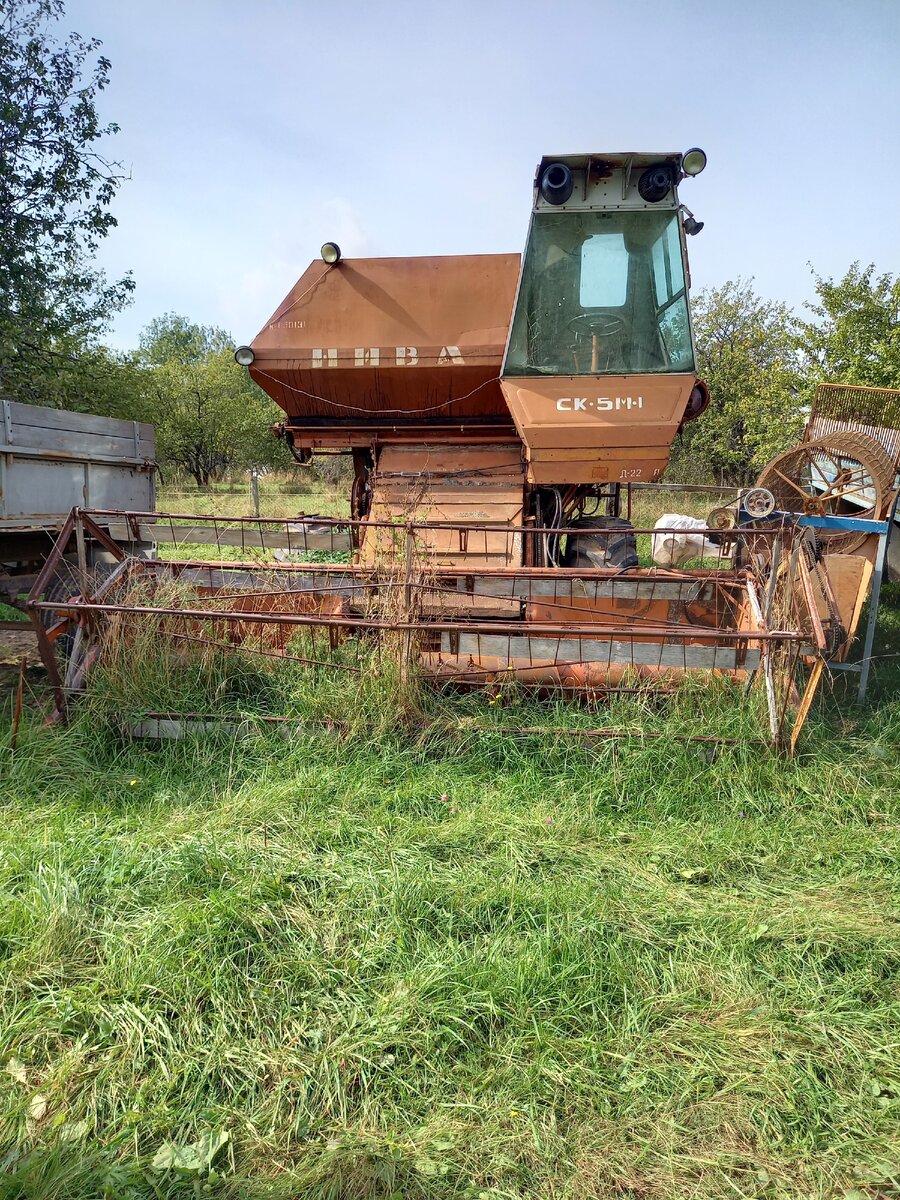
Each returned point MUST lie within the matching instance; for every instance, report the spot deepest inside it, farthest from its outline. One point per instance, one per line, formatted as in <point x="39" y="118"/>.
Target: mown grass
<point x="425" y="956"/>
<point x="278" y="502"/>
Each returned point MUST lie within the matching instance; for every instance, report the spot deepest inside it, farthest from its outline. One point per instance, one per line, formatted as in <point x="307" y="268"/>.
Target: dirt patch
<point x="14" y="645"/>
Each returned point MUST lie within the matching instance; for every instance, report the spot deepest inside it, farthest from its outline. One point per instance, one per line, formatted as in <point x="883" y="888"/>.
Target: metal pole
<point x="880" y="560"/>
<point x="82" y="555"/>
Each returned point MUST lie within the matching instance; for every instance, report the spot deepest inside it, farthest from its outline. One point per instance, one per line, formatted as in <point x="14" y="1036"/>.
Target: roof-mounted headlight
<point x="244" y="356"/>
<point x="656" y="182"/>
<point x="556" y="183"/>
<point x="693" y="161"/>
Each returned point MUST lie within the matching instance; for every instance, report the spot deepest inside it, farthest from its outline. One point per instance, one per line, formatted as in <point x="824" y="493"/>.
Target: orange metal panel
<point x="583" y="676"/>
<point x="590" y="429"/>
<point x="413" y="338"/>
<point x="468" y="484"/>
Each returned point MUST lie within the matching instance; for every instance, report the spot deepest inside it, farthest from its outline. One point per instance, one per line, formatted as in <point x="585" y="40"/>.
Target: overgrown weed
<point x="405" y="948"/>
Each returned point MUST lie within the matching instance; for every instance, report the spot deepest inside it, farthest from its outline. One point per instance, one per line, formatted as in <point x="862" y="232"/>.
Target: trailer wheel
<point x="600" y="542"/>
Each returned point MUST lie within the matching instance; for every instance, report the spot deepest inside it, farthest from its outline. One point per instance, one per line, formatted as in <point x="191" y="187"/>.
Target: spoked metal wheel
<point x="842" y="474"/>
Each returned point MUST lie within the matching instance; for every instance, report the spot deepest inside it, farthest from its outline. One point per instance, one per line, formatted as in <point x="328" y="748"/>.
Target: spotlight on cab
<point x="693" y="161"/>
<point x="244" y="356"/>
<point x="331" y="253"/>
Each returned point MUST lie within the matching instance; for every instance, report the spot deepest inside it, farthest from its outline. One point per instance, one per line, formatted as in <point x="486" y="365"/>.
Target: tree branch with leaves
<point x="56" y="188"/>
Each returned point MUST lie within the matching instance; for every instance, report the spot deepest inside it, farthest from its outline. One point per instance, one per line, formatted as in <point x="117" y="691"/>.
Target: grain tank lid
<point x="426" y="304"/>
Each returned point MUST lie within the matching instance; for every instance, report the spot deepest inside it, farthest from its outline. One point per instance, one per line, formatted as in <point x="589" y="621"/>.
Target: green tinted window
<point x="602" y="293"/>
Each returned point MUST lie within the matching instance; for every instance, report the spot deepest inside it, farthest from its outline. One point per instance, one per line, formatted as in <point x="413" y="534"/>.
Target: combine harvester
<point x="501" y="415"/>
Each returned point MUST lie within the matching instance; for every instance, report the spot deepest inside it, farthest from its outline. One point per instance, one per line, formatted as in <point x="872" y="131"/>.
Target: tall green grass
<point x="424" y="955"/>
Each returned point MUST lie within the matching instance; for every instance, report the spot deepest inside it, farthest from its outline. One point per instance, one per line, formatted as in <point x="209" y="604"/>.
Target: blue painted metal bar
<point x="853" y="524"/>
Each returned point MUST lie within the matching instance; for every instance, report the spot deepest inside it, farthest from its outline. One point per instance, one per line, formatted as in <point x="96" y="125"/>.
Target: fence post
<point x="254" y="491"/>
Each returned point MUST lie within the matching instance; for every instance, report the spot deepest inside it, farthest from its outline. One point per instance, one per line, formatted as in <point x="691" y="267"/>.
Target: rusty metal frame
<point x="45" y="645"/>
<point x="411" y="581"/>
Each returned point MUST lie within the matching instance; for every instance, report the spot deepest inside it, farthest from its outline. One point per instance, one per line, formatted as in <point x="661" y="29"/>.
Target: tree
<point x="209" y="415"/>
<point x="746" y="352"/>
<point x="55" y="192"/>
<point x="95" y="379"/>
<point x="174" y="338"/>
<point x="856" y="335"/>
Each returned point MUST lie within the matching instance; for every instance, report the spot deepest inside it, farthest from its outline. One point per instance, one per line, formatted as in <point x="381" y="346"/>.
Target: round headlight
<point x="698" y="401"/>
<point x="557" y="183"/>
<point x="331" y="253"/>
<point x="244" y="356"/>
<point x="693" y="161"/>
<point x="656" y="183"/>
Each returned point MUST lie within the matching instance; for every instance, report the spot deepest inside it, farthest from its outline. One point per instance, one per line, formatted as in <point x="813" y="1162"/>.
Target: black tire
<point x="601" y="542"/>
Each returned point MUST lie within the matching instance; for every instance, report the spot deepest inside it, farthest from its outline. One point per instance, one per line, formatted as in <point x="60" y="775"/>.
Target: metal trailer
<point x="52" y="461"/>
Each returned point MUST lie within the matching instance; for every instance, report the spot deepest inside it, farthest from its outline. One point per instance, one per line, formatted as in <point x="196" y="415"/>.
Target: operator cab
<point x="599" y="372"/>
<point x="603" y="288"/>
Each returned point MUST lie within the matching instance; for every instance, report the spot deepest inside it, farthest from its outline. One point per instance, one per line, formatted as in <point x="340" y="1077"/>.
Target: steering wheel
<point x="601" y="324"/>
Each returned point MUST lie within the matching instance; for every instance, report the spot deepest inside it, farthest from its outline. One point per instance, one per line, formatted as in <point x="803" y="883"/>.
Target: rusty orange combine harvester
<point x="562" y="376"/>
<point x="500" y="414"/>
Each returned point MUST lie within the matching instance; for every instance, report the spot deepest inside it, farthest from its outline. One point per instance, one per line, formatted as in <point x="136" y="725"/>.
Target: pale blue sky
<point x="255" y="131"/>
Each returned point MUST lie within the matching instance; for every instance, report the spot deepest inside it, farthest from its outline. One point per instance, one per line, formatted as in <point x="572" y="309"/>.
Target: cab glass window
<point x="602" y="293"/>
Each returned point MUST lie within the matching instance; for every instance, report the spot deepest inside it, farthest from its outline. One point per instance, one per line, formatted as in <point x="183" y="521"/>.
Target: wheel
<point x="722" y="518"/>
<point x="844" y="473"/>
<point x="600" y="542"/>
<point x="758" y="503"/>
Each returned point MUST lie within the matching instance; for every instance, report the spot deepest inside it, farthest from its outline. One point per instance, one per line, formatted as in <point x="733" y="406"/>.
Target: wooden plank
<point x="565" y="588"/>
<point x="850" y="576"/>
<point x="39" y="417"/>
<point x="78" y="444"/>
<point x="215" y="578"/>
<point x="809" y="693"/>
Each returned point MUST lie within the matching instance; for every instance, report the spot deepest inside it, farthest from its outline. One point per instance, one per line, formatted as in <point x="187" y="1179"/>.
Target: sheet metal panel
<point x="472" y="484"/>
<point x="52" y="460"/>
<point x="412" y="338"/>
<point x="560" y="650"/>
